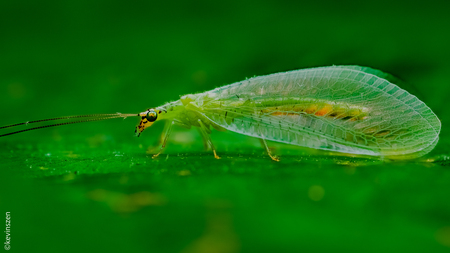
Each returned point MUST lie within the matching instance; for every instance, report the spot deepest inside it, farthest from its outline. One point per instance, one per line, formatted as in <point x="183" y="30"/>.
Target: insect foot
<point x="274" y="158"/>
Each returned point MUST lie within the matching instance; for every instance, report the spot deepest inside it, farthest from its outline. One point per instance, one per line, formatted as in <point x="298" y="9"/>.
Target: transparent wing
<point x="348" y="109"/>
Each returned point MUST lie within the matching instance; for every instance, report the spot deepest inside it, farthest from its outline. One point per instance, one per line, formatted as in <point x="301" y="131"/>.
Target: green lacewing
<point x="348" y="109"/>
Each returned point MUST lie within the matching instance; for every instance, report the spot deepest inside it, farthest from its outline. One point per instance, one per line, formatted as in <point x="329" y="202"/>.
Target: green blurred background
<point x="94" y="187"/>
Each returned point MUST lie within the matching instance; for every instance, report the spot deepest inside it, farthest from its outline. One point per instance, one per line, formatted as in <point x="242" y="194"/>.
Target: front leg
<point x="168" y="129"/>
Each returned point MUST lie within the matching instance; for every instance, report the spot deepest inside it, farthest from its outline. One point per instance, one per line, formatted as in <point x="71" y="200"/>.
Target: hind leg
<point x="264" y="144"/>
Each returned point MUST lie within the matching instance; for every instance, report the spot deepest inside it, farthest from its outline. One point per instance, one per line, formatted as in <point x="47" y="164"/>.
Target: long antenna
<point x="85" y="118"/>
<point x="66" y="117"/>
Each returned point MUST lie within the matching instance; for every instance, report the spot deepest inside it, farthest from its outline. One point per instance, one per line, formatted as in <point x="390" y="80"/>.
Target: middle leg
<point x="203" y="131"/>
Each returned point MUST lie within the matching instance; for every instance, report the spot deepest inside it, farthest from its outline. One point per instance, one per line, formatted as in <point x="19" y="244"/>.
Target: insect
<point x="348" y="109"/>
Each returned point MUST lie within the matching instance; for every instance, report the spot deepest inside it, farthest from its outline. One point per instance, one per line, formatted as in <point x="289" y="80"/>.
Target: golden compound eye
<point x="151" y="115"/>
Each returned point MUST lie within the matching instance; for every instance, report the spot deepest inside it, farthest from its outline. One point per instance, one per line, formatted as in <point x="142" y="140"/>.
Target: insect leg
<point x="160" y="140"/>
<point x="205" y="141"/>
<point x="205" y="135"/>
<point x="166" y="127"/>
<point x="166" y="137"/>
<point x="264" y="143"/>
